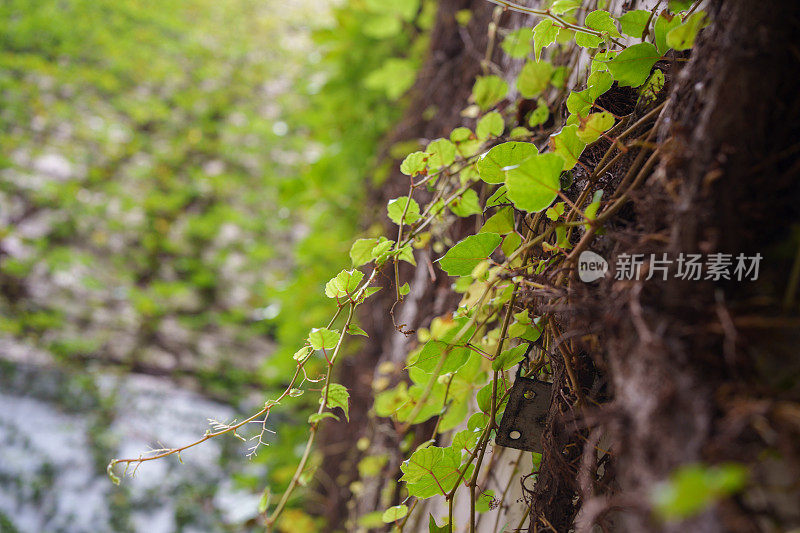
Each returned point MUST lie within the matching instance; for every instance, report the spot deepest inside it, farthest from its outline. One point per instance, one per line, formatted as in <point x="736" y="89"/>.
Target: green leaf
<point x="406" y="253"/>
<point x="664" y="23"/>
<point x="595" y="125"/>
<point x="501" y="222"/>
<point x="581" y="102"/>
<point x="396" y="207"/>
<point x="404" y="289"/>
<point x="394" y="513"/>
<point x="394" y="77"/>
<point x="544" y="34"/>
<point x="361" y="251"/>
<point x="508" y="358"/>
<point x="498" y="197"/>
<point x="649" y="91"/>
<point x="466" y="205"/>
<point x="587" y="40"/>
<point x="534" y="183"/>
<point x="597" y="20"/>
<point x="524" y="328"/>
<point x="382" y="26"/>
<point x="520" y="133"/>
<point x="390" y="401"/>
<point x="591" y="209"/>
<point x="517" y="44"/>
<point x="441" y="153"/>
<point x="450" y="331"/>
<point x="602" y="21"/>
<point x="488" y="90"/>
<point x="560" y="75"/>
<point x="384" y="246"/>
<point x="367" y="292"/>
<point x="631" y="67"/>
<point x="345" y="282"/>
<point x="567" y="144"/>
<point x="338" y="397"/>
<point x="434" y="528"/>
<point x="677" y="6"/>
<point x="433" y="470"/>
<point x="407" y="9"/>
<point x="490" y="167"/>
<point x="484" y="501"/>
<point x="600" y="61"/>
<point x="510" y="243"/>
<point x="323" y="338"/>
<point x="263" y="502"/>
<point x="556" y="211"/>
<point x="561" y="7"/>
<point x="634" y="22"/>
<point x="414" y="163"/>
<point x="460" y="134"/>
<point x="682" y="37"/>
<point x="484" y="396"/>
<point x="693" y="488"/>
<point x="598" y="84"/>
<point x="465" y="440"/>
<point x="302" y="353"/>
<point x="352" y="329"/>
<point x="431" y="353"/>
<point x="316" y="418"/>
<point x="465" y="255"/>
<point x="534" y="78"/>
<point x="490" y="125"/>
<point x="539" y="115"/>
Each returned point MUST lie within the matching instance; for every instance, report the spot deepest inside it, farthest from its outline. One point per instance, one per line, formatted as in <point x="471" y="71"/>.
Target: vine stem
<point x="435" y="372"/>
<point x="512" y="6"/>
<point x="232" y="428"/>
<point x="492" y="411"/>
<point x="505" y="491"/>
<point x="270" y="521"/>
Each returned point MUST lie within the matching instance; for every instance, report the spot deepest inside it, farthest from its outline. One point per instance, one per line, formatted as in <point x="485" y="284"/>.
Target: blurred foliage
<point x="141" y="151"/>
<point x="346" y="114"/>
<point x="175" y="178"/>
<point x="178" y="179"/>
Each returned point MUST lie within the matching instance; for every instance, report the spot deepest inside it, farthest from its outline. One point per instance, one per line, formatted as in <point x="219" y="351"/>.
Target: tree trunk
<point x="670" y="372"/>
<point x="696" y="367"/>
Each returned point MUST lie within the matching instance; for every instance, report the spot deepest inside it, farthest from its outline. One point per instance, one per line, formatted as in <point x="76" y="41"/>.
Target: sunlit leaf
<point x="323" y="338"/>
<point x="567" y="144"/>
<point x="338" y="396"/>
<point x="490" y="125"/>
<point x="631" y="67"/>
<point x="534" y="78"/>
<point x="534" y="183"/>
<point x="394" y="513"/>
<point x="488" y="90"/>
<point x="465" y="255"/>
<point x="634" y="22"/>
<point x="396" y="207"/>
<point x="508" y="154"/>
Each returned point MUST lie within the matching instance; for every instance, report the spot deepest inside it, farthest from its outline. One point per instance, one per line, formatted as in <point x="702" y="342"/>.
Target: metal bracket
<point x="524" y="419"/>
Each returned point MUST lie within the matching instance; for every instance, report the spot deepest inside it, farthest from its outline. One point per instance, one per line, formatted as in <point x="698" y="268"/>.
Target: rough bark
<point x="679" y="371"/>
<point x="683" y="357"/>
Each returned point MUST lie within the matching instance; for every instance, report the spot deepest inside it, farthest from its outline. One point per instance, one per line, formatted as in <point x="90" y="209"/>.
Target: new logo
<point x="591" y="266"/>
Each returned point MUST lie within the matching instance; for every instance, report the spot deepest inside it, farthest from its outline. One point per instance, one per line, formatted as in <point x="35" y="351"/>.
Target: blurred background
<point x="178" y="180"/>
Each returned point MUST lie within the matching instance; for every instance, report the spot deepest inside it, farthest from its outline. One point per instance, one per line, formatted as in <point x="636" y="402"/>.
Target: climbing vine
<point x="534" y="169"/>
